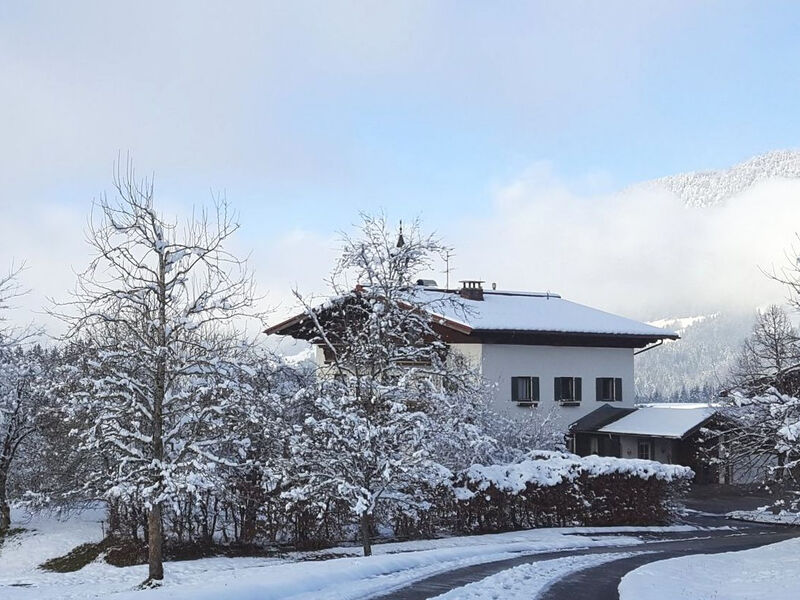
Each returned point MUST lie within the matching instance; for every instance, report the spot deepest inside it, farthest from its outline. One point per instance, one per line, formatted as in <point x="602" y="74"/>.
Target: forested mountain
<point x="697" y="365"/>
<point x="710" y="188"/>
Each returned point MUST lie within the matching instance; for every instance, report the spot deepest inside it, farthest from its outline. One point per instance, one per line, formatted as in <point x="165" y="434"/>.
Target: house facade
<point x="538" y="351"/>
<point x="571" y="380"/>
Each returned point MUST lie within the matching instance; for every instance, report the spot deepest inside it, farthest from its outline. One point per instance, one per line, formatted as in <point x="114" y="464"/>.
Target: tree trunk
<point x="114" y="520"/>
<point x="155" y="528"/>
<point x="155" y="536"/>
<point x="366" y="533"/>
<point x="5" y="509"/>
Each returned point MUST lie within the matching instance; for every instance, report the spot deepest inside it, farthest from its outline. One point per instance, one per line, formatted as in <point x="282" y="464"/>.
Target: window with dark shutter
<point x="608" y="389"/>
<point x="567" y="389"/>
<point x="525" y="389"/>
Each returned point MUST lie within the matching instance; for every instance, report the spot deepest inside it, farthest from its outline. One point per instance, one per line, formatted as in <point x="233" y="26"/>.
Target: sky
<point x="513" y="130"/>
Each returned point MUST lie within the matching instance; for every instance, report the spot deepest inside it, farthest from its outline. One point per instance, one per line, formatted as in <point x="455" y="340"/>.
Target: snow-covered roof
<point x="669" y="421"/>
<point x="543" y="315"/>
<point x="536" y="312"/>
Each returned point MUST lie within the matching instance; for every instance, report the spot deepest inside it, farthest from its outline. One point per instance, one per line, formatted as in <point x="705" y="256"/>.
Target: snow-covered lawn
<point x="392" y="566"/>
<point x="525" y="581"/>
<point x="46" y="537"/>
<point x="766" y="572"/>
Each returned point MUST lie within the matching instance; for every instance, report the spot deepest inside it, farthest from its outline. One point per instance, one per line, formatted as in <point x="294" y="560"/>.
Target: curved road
<point x="600" y="583"/>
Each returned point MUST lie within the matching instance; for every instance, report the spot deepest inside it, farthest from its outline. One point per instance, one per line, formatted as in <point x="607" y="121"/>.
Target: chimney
<point x="471" y="290"/>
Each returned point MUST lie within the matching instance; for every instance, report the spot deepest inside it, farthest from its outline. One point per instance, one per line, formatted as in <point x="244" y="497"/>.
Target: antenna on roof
<point x="447" y="269"/>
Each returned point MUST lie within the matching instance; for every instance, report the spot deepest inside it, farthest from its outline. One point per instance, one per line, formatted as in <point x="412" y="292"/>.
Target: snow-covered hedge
<point x="555" y="489"/>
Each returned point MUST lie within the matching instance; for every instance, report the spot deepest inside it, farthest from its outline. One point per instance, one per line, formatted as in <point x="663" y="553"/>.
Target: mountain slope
<point x="710" y="188"/>
<point x="696" y="364"/>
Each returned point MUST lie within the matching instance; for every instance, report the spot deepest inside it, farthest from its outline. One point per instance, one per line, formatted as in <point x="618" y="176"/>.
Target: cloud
<point x="640" y="252"/>
<point x="305" y="112"/>
<point x="276" y="90"/>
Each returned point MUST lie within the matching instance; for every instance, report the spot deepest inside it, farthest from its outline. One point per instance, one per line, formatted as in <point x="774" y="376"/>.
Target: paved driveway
<point x="600" y="583"/>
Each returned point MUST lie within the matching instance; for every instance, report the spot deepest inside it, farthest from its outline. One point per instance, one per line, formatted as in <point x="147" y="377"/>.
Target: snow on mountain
<point x="710" y="188"/>
<point x="680" y="324"/>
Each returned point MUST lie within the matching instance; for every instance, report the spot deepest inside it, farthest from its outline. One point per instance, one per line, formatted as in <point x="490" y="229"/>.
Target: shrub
<point x="554" y="489"/>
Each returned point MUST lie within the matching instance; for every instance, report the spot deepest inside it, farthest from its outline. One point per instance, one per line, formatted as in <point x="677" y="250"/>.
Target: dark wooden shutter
<point x="515" y="389"/>
<point x="618" y="389"/>
<point x="577" y="389"/>
<point x="557" y="388"/>
<point x="535" y="390"/>
<point x="598" y="389"/>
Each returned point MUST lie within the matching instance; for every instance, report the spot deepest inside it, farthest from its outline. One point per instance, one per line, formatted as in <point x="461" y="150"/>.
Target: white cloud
<point x="640" y="252"/>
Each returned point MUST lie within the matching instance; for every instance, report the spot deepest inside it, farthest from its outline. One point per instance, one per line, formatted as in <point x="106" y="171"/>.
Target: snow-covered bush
<point x="556" y="489"/>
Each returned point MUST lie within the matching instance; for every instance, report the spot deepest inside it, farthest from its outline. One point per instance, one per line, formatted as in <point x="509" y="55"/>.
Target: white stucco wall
<point x="500" y="362"/>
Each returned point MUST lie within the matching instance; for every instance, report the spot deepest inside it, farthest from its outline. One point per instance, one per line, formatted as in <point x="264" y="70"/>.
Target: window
<point x="567" y="389"/>
<point x="525" y="389"/>
<point x="594" y="445"/>
<point x="645" y="449"/>
<point x="609" y="389"/>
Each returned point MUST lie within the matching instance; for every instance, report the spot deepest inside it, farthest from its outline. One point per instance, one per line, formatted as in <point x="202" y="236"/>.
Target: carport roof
<point x="667" y="421"/>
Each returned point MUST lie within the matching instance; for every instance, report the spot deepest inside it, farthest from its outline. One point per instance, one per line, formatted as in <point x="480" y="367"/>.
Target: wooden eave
<point x="290" y="326"/>
<point x="554" y="338"/>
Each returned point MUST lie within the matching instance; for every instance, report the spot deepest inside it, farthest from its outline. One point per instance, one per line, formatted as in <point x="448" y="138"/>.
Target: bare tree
<point x="388" y="396"/>
<point x="20" y="402"/>
<point x="158" y="304"/>
<point x="770" y="356"/>
<point x="758" y="423"/>
<point x="11" y="289"/>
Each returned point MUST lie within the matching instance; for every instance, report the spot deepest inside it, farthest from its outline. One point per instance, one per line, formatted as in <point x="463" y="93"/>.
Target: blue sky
<point x="305" y="113"/>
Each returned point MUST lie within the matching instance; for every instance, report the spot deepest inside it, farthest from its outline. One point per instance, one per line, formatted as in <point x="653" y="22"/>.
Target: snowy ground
<point x="45" y="537"/>
<point x="766" y="572"/>
<point x="761" y="516"/>
<point x="392" y="566"/>
<point x="526" y="581"/>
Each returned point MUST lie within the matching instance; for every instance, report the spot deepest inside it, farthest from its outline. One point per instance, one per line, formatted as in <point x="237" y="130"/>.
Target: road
<point x="600" y="583"/>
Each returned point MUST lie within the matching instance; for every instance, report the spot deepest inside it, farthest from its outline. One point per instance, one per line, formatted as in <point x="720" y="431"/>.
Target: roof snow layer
<point x="661" y="421"/>
<point x="504" y="311"/>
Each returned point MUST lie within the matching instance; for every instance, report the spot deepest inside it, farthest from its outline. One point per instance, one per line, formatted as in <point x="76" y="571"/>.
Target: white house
<point x="538" y="349"/>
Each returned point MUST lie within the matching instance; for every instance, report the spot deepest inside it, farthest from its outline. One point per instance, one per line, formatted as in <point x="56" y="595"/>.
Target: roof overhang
<point x="292" y="326"/>
<point x="300" y="327"/>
